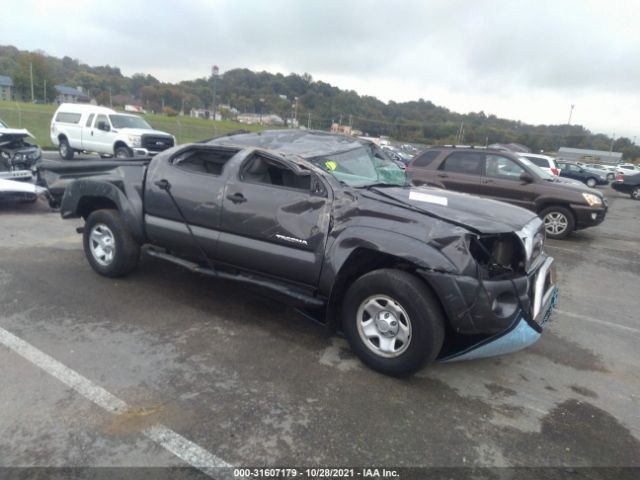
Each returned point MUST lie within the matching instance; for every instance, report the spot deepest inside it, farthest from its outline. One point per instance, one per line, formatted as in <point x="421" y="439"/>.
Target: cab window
<point x="266" y="171"/>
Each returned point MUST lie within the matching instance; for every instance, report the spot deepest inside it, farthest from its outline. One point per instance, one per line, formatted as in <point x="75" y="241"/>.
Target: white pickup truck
<point x="88" y="128"/>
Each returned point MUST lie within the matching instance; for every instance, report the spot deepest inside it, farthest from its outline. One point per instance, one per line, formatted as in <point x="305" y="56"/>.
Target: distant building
<point x="344" y="129"/>
<point x="589" y="156"/>
<point x="260" y="118"/>
<point x="70" y="95"/>
<point x="6" y="88"/>
<point x="203" y="113"/>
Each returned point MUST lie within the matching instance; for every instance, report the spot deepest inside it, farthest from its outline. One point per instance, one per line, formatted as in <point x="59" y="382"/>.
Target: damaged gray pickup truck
<point x="410" y="275"/>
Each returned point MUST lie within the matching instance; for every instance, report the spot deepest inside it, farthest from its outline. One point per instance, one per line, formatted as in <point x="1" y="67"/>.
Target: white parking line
<point x="182" y="448"/>
<point x="601" y="322"/>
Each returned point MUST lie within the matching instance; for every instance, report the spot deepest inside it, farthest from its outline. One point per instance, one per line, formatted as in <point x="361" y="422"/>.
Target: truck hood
<point x="142" y="131"/>
<point x="474" y="213"/>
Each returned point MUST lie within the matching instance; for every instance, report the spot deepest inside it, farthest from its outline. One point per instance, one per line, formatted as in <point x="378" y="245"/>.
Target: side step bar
<point x="294" y="294"/>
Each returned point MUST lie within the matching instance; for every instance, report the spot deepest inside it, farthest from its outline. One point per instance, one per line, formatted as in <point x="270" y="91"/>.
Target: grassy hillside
<point x="37" y="119"/>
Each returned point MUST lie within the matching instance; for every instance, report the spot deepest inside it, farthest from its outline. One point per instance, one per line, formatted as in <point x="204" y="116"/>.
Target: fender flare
<point x="400" y="246"/>
<point x="128" y="203"/>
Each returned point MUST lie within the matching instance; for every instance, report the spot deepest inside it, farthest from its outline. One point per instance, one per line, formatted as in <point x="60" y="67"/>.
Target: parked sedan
<point x="628" y="184"/>
<point x="627" y="169"/>
<point x="589" y="177"/>
<point x="608" y="170"/>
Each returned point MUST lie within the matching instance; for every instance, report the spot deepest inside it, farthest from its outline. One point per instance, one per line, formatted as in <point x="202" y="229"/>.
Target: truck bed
<point x="56" y="175"/>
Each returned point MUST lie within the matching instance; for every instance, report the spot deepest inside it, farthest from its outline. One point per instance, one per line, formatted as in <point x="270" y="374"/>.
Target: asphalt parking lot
<point x="173" y="369"/>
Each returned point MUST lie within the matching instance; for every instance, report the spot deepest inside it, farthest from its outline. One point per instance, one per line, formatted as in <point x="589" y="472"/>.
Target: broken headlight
<point x="498" y="254"/>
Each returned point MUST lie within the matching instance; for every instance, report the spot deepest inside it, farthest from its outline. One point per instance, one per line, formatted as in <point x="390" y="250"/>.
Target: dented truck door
<point x="275" y="219"/>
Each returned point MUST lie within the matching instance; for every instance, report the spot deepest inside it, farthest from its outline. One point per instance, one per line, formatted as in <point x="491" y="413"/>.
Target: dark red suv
<point x="499" y="175"/>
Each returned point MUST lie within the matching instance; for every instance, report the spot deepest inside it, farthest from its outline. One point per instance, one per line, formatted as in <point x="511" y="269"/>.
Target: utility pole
<point x="459" y="136"/>
<point x="110" y="99"/>
<point x="31" y="76"/>
<point x="45" y="90"/>
<point x="309" y="121"/>
<point x="214" y="77"/>
<point x="612" y="139"/>
<point x="570" y="114"/>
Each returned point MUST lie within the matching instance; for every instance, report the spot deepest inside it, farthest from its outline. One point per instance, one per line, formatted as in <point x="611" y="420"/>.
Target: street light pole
<point x="214" y="77"/>
<point x="570" y="114"/>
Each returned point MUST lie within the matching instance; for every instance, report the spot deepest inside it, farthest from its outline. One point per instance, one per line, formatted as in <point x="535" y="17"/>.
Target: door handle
<point x="487" y="181"/>
<point x="237" y="198"/>
<point x="442" y="175"/>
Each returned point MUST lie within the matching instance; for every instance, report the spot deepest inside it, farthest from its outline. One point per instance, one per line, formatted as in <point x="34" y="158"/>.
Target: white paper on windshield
<point x="426" y="197"/>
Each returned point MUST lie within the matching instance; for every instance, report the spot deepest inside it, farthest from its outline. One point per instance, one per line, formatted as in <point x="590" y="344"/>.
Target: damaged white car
<point x="17" y="156"/>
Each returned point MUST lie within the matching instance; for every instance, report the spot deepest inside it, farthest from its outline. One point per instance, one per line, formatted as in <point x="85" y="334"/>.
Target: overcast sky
<point x="527" y="60"/>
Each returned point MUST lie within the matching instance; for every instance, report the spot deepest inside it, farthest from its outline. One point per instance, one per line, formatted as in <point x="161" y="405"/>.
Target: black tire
<point x="125" y="251"/>
<point x="65" y="150"/>
<point x="635" y="193"/>
<point x="122" y="152"/>
<point x="556" y="213"/>
<point x="425" y="320"/>
<point x="591" y="182"/>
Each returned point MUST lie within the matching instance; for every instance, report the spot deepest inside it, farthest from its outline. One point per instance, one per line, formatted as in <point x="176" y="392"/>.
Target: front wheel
<point x="108" y="245"/>
<point x="591" y="182"/>
<point x="558" y="222"/>
<point x="393" y="321"/>
<point x="123" y="152"/>
<point x="635" y="193"/>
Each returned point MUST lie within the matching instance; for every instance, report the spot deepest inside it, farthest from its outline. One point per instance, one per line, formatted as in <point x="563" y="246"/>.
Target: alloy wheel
<point x="384" y="326"/>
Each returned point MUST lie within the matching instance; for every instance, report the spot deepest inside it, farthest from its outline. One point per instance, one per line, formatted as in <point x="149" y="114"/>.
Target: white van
<point x="87" y="128"/>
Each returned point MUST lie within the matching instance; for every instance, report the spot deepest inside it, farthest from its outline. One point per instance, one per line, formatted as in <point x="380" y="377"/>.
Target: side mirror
<point x="103" y="126"/>
<point x="526" y="178"/>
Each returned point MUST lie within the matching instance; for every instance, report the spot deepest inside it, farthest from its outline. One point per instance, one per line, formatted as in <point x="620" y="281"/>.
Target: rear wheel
<point x="635" y="193"/>
<point x="393" y="321"/>
<point x="65" y="150"/>
<point x="591" y="182"/>
<point x="108" y="245"/>
<point x="558" y="222"/>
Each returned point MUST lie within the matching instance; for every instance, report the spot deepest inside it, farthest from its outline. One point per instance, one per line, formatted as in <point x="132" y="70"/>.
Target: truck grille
<point x="156" y="143"/>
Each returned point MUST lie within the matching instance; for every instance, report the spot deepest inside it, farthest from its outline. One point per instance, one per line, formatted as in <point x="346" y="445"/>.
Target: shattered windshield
<point x="128" y="121"/>
<point x="362" y="167"/>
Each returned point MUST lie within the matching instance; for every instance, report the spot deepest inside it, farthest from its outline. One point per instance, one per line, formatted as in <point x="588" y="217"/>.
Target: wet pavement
<point x="251" y="382"/>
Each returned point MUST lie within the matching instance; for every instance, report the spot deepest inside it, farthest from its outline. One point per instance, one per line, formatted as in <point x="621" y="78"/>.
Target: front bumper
<point x="483" y="330"/>
<point x="589" y="216"/>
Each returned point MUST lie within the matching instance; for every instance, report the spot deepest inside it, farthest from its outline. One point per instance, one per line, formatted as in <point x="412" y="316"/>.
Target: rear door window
<point x="208" y="162"/>
<point x="540" y="162"/>
<point x="463" y="162"/>
<point x="90" y="119"/>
